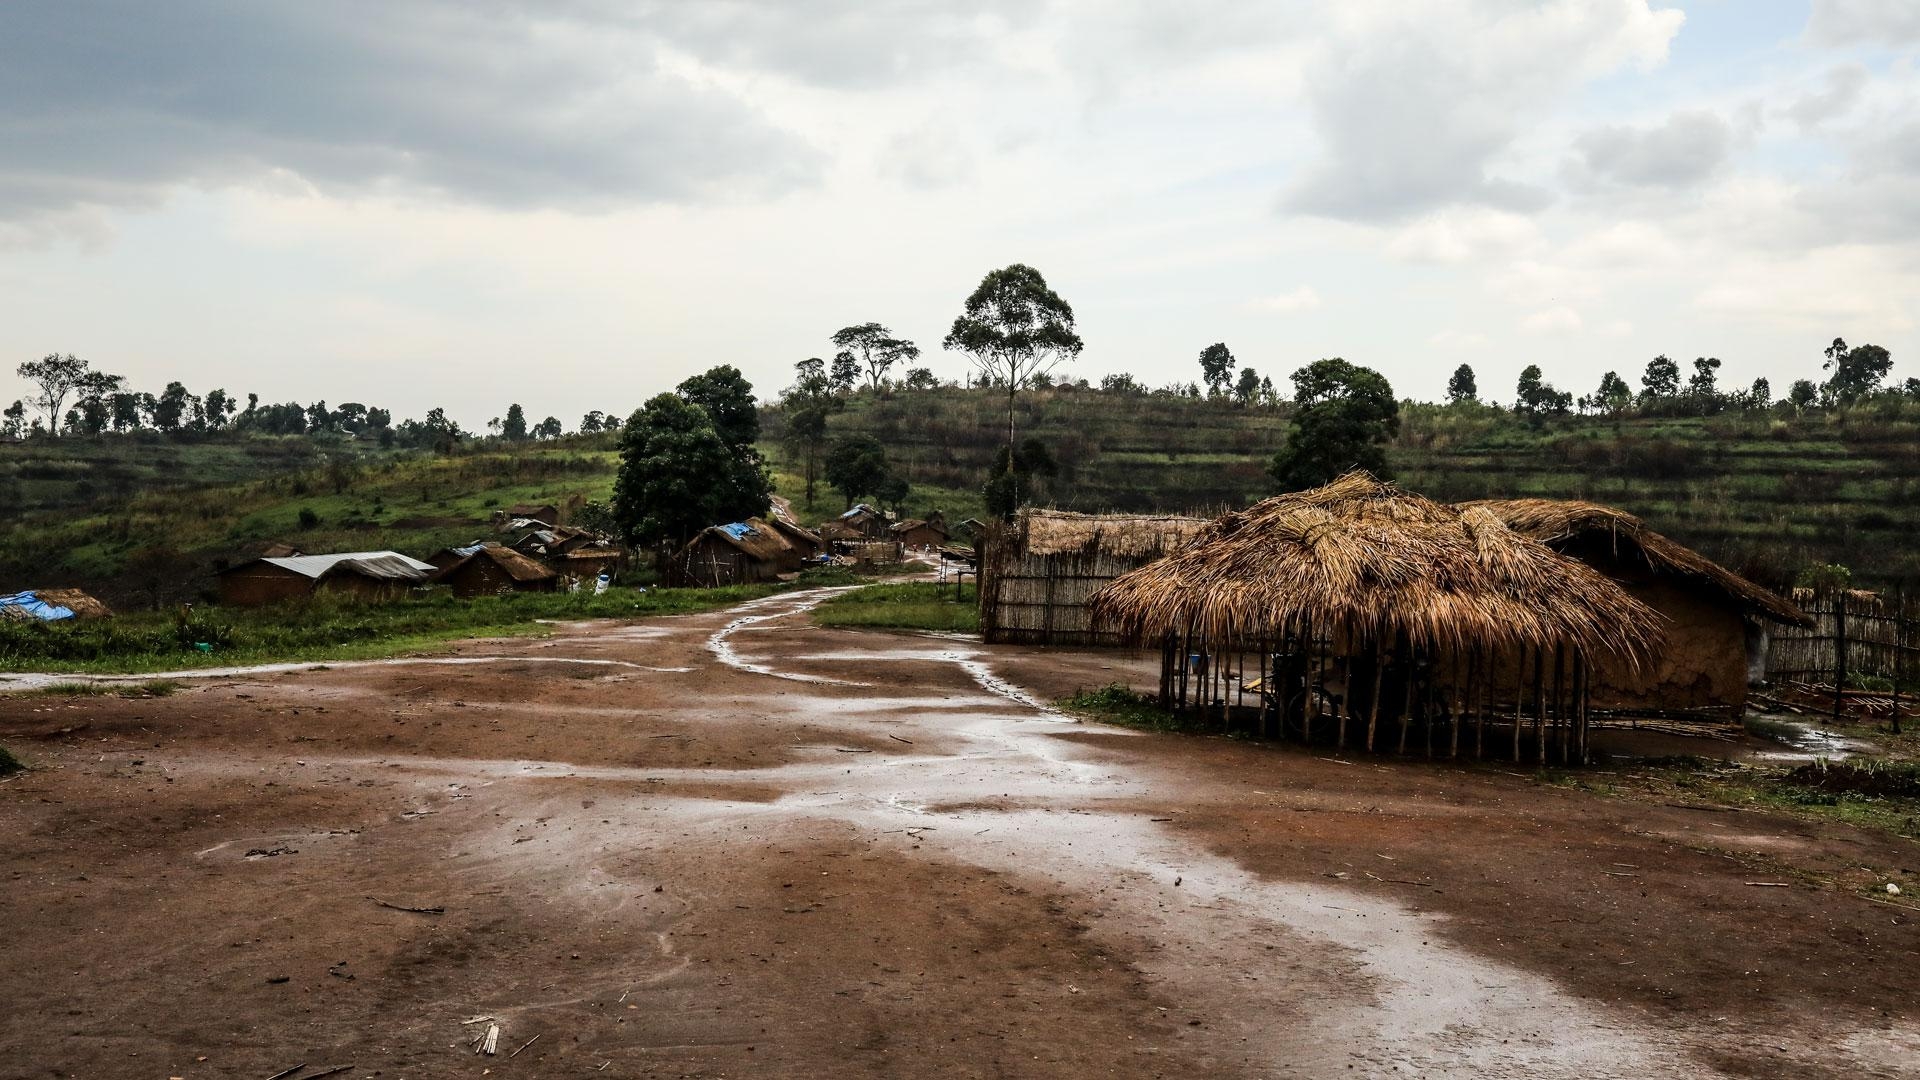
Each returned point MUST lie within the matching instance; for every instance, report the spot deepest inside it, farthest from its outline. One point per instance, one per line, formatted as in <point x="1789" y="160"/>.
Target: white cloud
<point x="1872" y="22"/>
<point x="1304" y="298"/>
<point x="1455" y="236"/>
<point x="1844" y="84"/>
<point x="1415" y="103"/>
<point x="1690" y="147"/>
<point x="1554" y="320"/>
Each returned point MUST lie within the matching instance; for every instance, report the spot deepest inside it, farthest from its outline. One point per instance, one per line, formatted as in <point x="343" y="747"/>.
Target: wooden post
<point x="1453" y="740"/>
<point x="1539" y="706"/>
<point x="1839" y="651"/>
<point x="1899" y="648"/>
<point x="1486" y="704"/>
<point x="1561" y="721"/>
<point x="1266" y="682"/>
<point x="1373" y="706"/>
<point x="1406" y="705"/>
<point x="1580" y="705"/>
<point x="1519" y="700"/>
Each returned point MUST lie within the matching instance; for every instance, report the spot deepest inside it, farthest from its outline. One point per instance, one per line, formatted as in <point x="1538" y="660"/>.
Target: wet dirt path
<point x="737" y="844"/>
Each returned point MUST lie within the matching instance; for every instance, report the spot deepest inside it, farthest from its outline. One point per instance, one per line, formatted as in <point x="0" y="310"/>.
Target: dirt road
<point x="740" y="845"/>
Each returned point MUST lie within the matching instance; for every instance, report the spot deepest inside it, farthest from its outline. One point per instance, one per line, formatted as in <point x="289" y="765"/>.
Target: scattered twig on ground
<point x="897" y="738"/>
<point x="524" y="1045"/>
<point x="1771" y="884"/>
<point x="284" y="1073"/>
<point x="490" y="1043"/>
<point x="404" y="907"/>
<point x="848" y="750"/>
<point x="331" y="1072"/>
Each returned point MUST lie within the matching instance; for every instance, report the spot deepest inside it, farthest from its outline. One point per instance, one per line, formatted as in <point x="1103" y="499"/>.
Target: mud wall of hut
<point x="262" y="583"/>
<point x="1702" y="665"/>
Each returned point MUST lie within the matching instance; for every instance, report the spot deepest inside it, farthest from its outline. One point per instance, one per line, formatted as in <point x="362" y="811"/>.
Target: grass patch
<point x="9" y="764"/>
<point x="1864" y="792"/>
<point x="908" y="605"/>
<point x="1117" y="704"/>
<point x="324" y="628"/>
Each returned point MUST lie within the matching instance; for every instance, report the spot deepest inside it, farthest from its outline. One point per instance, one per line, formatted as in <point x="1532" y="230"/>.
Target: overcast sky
<point x="576" y="204"/>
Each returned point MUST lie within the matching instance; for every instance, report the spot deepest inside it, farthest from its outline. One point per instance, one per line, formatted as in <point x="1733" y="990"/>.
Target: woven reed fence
<point x="1855" y="637"/>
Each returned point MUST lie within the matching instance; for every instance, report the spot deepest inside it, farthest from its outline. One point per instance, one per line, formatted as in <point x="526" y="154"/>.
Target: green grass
<point x="1119" y="705"/>
<point x="910" y="605"/>
<point x="152" y="688"/>
<point x="1863" y="792"/>
<point x="9" y="764"/>
<point x="326" y="629"/>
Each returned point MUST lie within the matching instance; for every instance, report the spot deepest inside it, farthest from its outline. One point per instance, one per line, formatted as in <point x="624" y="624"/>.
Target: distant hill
<point x="139" y="517"/>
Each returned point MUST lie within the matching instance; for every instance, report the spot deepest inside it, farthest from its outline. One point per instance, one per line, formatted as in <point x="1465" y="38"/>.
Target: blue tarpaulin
<point x="739" y="530"/>
<point x="30" y="604"/>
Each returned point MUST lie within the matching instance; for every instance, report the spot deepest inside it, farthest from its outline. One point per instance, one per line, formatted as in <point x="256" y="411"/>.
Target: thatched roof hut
<point x="1360" y="596"/>
<point x="1601" y="535"/>
<point x="1037" y="570"/>
<point x="1717" y="621"/>
<point x="1367" y="560"/>
<point x="485" y="569"/>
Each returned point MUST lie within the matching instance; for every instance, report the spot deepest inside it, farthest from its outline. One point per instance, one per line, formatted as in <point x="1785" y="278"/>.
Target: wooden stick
<point x="284" y="1073"/>
<point x="337" y="1069"/>
<point x="1373" y="712"/>
<point x="415" y="910"/>
<point x="524" y="1045"/>
<point x="1539" y="707"/>
<point x="490" y="1044"/>
<point x="1519" y="701"/>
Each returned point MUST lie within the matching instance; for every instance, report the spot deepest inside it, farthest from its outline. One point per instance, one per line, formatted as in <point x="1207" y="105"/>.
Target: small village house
<point x="1715" y="620"/>
<point x="1358" y="614"/>
<point x="861" y="523"/>
<point x="1037" y="571"/>
<point x="368" y="574"/>
<point x="735" y="554"/>
<point x="489" y="570"/>
<point x="922" y="534"/>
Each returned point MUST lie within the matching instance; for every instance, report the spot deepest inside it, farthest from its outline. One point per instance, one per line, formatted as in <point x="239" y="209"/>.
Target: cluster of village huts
<point x="533" y="550"/>
<point x="1368" y="616"/>
<point x="536" y="550"/>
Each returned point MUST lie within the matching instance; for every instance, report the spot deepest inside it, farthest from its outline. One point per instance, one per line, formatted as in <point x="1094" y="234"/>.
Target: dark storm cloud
<point x="557" y="105"/>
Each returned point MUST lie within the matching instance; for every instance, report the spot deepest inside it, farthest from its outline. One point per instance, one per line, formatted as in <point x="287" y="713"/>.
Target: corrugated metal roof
<point x="374" y="563"/>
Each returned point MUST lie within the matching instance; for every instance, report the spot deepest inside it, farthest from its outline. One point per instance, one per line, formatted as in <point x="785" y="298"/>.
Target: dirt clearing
<point x="738" y="845"/>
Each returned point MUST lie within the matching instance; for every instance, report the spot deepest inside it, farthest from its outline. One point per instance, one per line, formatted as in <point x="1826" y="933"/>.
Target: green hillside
<point x="142" y="519"/>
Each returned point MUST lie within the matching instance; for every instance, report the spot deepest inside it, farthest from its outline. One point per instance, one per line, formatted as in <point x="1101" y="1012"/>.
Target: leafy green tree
<point x="319" y="417"/>
<point x="56" y="377"/>
<point x="1216" y="368"/>
<point x="170" y="408"/>
<point x="1536" y="398"/>
<point x="1760" y="396"/>
<point x="1268" y="396"/>
<point x="845" y="374"/>
<point x="678" y="475"/>
<point x="1343" y="416"/>
<point x="1856" y="372"/>
<point x="1614" y="396"/>
<point x="547" y="429"/>
<point x="95" y="403"/>
<point x="220" y="407"/>
<point x="857" y="465"/>
<point x="125" y="407"/>
<point x="514" y="425"/>
<point x="1014" y="327"/>
<point x="1030" y="462"/>
<point x="13" y="420"/>
<point x="1462" y="387"/>
<point x="1803" y="394"/>
<point x="808" y="403"/>
<point x="593" y="422"/>
<point x="919" y="379"/>
<point x="1661" y="381"/>
<point x="728" y="398"/>
<point x="1247" y="389"/>
<point x="1121" y="383"/>
<point x="873" y="349"/>
<point x="1703" y="386"/>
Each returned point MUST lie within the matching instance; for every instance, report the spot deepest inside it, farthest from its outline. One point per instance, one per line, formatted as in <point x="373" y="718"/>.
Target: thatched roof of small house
<point x="517" y="566"/>
<point x="1062" y="532"/>
<point x="1564" y="523"/>
<point x="753" y="537"/>
<point x="1366" y="560"/>
<point x="22" y="605"/>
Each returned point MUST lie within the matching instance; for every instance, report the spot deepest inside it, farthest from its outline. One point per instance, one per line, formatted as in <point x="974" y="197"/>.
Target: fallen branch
<point x="415" y="910"/>
<point x="284" y="1073"/>
<point x="490" y="1044"/>
<point x="524" y="1045"/>
<point x="1771" y="884"/>
<point x="330" y="1072"/>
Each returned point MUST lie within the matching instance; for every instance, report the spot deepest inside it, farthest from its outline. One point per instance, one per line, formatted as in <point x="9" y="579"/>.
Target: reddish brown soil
<point x="714" y="872"/>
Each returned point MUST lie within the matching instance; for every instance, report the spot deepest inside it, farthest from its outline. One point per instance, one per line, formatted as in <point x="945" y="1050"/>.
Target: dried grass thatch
<point x="83" y="605"/>
<point x="1368" y="562"/>
<point x="1126" y="536"/>
<point x="1564" y="524"/>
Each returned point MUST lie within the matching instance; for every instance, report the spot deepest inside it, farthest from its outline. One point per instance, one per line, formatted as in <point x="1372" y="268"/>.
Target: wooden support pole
<point x="1561" y="721"/>
<point x="1453" y="734"/>
<point x="1373" y="706"/>
<point x="1485" y="703"/>
<point x="1539" y="706"/>
<point x="1406" y="704"/>
<point x="1519" y="700"/>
